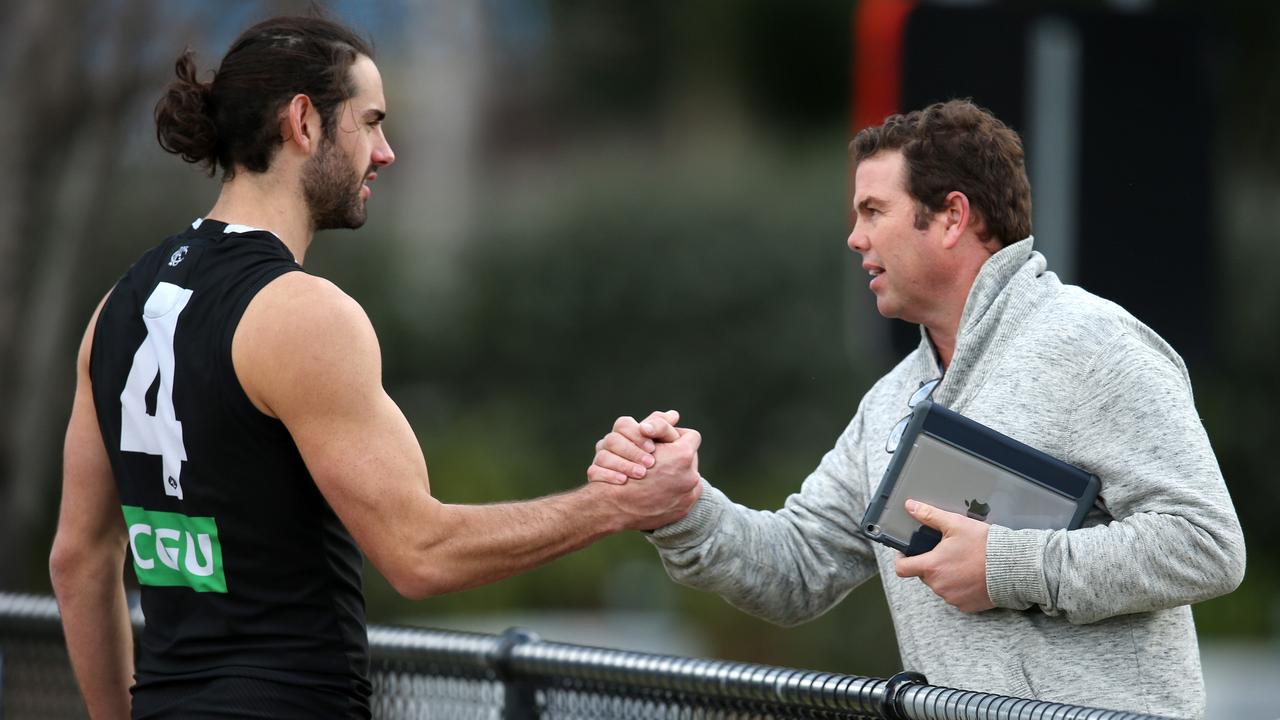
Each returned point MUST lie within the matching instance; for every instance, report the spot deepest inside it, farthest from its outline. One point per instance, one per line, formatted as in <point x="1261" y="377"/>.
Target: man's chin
<point x="887" y="308"/>
<point x="348" y="224"/>
<point x="353" y="220"/>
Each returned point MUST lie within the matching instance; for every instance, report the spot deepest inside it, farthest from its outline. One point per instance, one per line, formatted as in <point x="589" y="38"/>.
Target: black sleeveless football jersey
<point x="248" y="578"/>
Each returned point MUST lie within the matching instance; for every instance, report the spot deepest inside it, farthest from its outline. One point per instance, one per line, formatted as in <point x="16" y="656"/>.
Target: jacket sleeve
<point x="1173" y="537"/>
<point x="788" y="566"/>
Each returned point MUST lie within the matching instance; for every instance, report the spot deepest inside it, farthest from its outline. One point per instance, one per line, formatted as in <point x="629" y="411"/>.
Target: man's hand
<point x="626" y="452"/>
<point x="668" y="490"/>
<point x="956" y="570"/>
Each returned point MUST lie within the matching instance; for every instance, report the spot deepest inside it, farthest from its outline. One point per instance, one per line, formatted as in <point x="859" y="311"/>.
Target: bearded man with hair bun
<point x="230" y="434"/>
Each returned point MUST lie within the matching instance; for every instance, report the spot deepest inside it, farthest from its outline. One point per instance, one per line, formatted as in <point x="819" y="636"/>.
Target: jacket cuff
<point x="689" y="530"/>
<point x="1015" y="568"/>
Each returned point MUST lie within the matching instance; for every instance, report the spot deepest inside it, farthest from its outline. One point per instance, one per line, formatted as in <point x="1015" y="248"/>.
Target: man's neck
<point x="944" y="341"/>
<point x="262" y="201"/>
<point x="944" y="327"/>
<point x="942" y="322"/>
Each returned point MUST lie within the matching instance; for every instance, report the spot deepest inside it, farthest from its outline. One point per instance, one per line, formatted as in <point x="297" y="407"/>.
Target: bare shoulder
<point x="301" y="333"/>
<point x="299" y="307"/>
<point x="86" y="340"/>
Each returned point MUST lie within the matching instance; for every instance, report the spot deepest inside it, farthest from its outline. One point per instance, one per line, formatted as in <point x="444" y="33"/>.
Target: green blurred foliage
<point x="694" y="259"/>
<point x="672" y="285"/>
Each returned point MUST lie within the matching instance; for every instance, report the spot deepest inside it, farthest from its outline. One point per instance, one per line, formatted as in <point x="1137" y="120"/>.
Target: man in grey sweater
<point x="1097" y="616"/>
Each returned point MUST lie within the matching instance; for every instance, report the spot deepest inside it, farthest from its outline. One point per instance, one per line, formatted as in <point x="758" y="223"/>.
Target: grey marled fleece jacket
<point x="1097" y="616"/>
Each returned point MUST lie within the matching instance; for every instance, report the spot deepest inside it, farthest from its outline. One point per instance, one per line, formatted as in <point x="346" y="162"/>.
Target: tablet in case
<point x="951" y="462"/>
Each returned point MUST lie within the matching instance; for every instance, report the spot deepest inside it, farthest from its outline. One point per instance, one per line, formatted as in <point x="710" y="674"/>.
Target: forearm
<point x="99" y="635"/>
<point x="477" y="544"/>
<point x="786" y="567"/>
<point x="86" y="563"/>
<point x="1148" y="561"/>
<point x="1172" y="537"/>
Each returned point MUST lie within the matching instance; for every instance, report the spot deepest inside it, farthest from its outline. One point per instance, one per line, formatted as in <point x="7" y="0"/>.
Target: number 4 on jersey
<point x="140" y="431"/>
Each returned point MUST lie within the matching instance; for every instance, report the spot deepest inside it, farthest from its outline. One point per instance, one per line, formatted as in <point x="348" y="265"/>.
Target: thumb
<point x="690" y="437"/>
<point x="935" y="518"/>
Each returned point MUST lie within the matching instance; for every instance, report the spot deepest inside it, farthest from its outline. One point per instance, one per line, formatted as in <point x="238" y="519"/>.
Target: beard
<point x="332" y="197"/>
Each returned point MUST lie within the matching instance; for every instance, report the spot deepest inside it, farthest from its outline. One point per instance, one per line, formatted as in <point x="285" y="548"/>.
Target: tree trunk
<point x="61" y="150"/>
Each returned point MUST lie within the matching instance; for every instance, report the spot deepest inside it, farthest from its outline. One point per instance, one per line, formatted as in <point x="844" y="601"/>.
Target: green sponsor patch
<point x="173" y="550"/>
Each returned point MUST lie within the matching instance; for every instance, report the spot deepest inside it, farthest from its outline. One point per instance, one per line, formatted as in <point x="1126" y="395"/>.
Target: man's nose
<point x="857" y="240"/>
<point x="383" y="155"/>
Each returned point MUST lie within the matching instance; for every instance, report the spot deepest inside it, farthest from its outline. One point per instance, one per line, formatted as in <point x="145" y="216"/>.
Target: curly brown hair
<point x="956" y="145"/>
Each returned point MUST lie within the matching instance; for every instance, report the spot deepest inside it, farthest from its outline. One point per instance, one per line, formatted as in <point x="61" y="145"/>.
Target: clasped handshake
<point x="649" y="469"/>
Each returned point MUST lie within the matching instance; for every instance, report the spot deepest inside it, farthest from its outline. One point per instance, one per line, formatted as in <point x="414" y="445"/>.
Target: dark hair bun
<point x="184" y="118"/>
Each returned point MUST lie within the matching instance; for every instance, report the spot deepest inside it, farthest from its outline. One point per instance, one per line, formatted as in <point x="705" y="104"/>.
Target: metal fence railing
<point x="420" y="673"/>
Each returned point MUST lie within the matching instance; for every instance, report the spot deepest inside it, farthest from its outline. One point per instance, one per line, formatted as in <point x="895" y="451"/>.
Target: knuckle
<point x="619" y="445"/>
<point x="613" y="442"/>
<point x="624" y="421"/>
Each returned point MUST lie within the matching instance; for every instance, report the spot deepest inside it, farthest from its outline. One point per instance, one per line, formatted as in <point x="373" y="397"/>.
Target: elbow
<point x="788" y="621"/>
<point x="1232" y="565"/>
<point x="78" y="565"/>
<point x="1228" y="560"/>
<point x="66" y="566"/>
<point x="423" y="564"/>
<point x="60" y="568"/>
<point x="415" y="583"/>
<point x="411" y="588"/>
<point x="1221" y="568"/>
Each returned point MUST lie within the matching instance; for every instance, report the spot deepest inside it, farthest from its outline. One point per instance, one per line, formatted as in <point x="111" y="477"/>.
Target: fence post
<point x="890" y="707"/>
<point x="520" y="699"/>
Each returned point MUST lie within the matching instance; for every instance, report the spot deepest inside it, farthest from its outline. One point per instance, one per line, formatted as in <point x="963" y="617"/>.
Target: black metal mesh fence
<point x="454" y="675"/>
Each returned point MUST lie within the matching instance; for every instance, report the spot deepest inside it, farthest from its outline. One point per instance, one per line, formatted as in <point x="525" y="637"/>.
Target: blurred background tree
<point x="598" y="208"/>
<point x="74" y="78"/>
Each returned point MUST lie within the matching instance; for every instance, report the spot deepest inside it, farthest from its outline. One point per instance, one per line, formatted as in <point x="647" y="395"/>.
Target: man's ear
<point x="300" y="125"/>
<point x="956" y="218"/>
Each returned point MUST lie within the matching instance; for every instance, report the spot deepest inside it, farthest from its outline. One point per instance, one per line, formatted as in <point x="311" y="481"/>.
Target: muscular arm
<point x="87" y="561"/>
<point x="1175" y="539"/>
<point x="306" y="353"/>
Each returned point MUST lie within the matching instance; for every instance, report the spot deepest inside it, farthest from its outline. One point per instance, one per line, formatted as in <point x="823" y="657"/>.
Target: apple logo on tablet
<point x="977" y="510"/>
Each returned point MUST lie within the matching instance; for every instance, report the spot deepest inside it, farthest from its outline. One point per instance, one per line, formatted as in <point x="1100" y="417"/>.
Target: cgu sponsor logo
<point x="174" y="550"/>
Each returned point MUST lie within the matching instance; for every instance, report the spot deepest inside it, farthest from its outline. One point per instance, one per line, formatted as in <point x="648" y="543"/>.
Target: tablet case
<point x="951" y="462"/>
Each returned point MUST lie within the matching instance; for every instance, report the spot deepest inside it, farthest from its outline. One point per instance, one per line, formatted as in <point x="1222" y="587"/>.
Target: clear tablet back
<point x="949" y="478"/>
